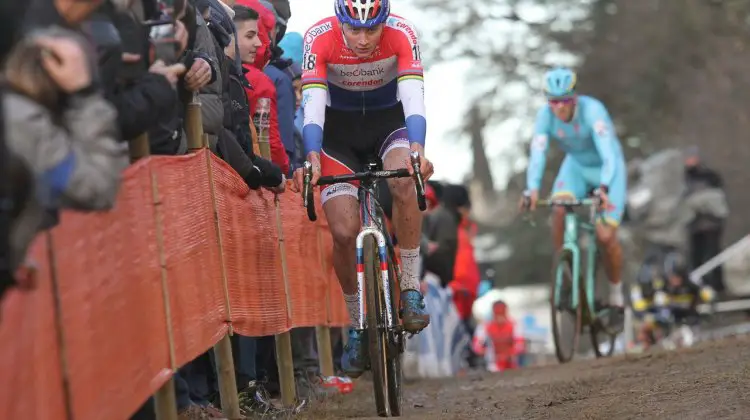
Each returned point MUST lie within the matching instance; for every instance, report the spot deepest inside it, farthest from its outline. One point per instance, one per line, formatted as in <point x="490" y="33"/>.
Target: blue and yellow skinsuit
<point x="678" y="304"/>
<point x="593" y="158"/>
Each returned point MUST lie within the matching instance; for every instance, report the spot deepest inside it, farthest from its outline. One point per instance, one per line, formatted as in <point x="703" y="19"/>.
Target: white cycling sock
<point x="352" y="304"/>
<point x="410" y="264"/>
<point x="615" y="295"/>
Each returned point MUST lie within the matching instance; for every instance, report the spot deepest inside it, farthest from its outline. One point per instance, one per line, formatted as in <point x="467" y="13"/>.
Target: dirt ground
<point x="709" y="381"/>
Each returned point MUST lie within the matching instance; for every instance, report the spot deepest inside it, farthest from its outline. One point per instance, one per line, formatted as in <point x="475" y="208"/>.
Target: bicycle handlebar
<point x="593" y="203"/>
<point x="567" y="202"/>
<point x="307" y="192"/>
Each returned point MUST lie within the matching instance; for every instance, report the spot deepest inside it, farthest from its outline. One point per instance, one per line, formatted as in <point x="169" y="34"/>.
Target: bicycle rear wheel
<point x="376" y="333"/>
<point x="566" y="322"/>
<point x="602" y="338"/>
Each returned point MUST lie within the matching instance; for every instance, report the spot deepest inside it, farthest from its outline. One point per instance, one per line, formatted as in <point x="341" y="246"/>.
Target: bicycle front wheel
<point x="395" y="348"/>
<point x="566" y="321"/>
<point x="376" y="332"/>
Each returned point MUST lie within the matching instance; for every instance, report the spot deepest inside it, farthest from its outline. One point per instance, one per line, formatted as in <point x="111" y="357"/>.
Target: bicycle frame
<point x="369" y="226"/>
<point x="572" y="227"/>
<point x="368" y="212"/>
<point x="570" y="242"/>
<point x="385" y="341"/>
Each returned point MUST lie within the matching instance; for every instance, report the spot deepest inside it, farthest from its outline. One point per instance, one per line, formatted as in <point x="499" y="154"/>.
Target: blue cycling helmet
<point x="362" y="13"/>
<point x="560" y="82"/>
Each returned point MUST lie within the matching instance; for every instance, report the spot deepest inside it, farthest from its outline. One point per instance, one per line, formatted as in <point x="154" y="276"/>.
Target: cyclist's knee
<point x="344" y="233"/>
<point x="402" y="190"/>
<point x="606" y="234"/>
<point x="558" y="217"/>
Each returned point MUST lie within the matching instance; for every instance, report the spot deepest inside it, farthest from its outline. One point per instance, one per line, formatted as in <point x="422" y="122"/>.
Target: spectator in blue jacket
<point x="295" y="74"/>
<point x="291" y="44"/>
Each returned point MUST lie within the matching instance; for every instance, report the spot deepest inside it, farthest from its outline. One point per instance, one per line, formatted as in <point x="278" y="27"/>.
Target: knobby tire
<point x="596" y="330"/>
<point x="377" y="338"/>
<point x="563" y="260"/>
<point x="395" y="347"/>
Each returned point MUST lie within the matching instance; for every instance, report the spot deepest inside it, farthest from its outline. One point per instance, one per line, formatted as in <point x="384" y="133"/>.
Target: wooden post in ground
<point x="284" y="359"/>
<point x="165" y="400"/>
<point x="194" y="125"/>
<point x="325" y="352"/>
<point x="230" y="403"/>
<point x="323" y="332"/>
<point x="139" y="147"/>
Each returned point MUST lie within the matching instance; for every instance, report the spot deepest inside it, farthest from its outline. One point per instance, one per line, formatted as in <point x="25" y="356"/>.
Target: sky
<point x="445" y="91"/>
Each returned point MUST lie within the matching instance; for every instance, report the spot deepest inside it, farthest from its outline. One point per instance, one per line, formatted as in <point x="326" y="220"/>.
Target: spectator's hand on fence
<point x="279" y="189"/>
<point x="26" y="275"/>
<point x="65" y="62"/>
<point x="130" y="58"/>
<point x="198" y="76"/>
<point x="172" y="73"/>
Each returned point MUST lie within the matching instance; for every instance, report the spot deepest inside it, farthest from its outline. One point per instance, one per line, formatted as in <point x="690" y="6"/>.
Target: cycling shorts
<point x="576" y="180"/>
<point x="352" y="139"/>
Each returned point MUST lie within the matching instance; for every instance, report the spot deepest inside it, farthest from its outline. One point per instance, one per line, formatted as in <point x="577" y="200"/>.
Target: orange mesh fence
<point x="251" y="253"/>
<point x="308" y="287"/>
<point x="112" y="304"/>
<point x="187" y="251"/>
<point x="31" y="385"/>
<point x="193" y="263"/>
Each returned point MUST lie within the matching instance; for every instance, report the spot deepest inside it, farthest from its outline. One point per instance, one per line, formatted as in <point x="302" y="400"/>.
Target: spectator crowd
<point x="84" y="79"/>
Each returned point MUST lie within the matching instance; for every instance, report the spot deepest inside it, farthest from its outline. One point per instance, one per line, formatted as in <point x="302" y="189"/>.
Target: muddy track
<point x="711" y="380"/>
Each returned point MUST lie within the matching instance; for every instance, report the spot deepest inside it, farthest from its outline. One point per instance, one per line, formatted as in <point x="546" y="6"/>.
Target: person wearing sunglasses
<point x="594" y="160"/>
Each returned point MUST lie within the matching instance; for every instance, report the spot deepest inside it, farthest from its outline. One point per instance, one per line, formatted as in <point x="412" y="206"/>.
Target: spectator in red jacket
<point x="496" y="340"/>
<point x="466" y="275"/>
<point x="262" y="86"/>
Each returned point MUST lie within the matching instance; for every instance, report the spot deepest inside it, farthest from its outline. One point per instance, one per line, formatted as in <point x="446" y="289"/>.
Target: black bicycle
<point x="377" y="277"/>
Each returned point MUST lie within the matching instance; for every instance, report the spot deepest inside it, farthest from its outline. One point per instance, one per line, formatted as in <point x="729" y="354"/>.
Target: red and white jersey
<point x="332" y="75"/>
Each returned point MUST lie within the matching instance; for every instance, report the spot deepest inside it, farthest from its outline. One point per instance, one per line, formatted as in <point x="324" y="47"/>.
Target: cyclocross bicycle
<point x="378" y="280"/>
<point x="569" y="296"/>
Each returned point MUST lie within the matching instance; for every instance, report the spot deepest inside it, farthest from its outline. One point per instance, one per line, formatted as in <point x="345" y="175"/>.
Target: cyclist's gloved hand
<point x="601" y="192"/>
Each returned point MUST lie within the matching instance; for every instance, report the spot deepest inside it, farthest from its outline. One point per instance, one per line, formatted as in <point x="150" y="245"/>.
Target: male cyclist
<point x="670" y="301"/>
<point x="594" y="161"/>
<point x="363" y="77"/>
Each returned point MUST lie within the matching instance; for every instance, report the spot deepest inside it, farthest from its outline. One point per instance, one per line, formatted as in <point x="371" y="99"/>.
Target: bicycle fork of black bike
<point x="370" y="228"/>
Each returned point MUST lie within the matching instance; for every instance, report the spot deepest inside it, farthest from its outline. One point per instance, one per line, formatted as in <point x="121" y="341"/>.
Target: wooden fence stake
<point x="165" y="400"/>
<point x="284" y="359"/>
<point x="230" y="404"/>
<point x="323" y="332"/>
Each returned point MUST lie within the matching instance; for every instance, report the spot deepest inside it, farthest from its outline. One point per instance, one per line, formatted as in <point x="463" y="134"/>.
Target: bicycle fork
<point x="383" y="257"/>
